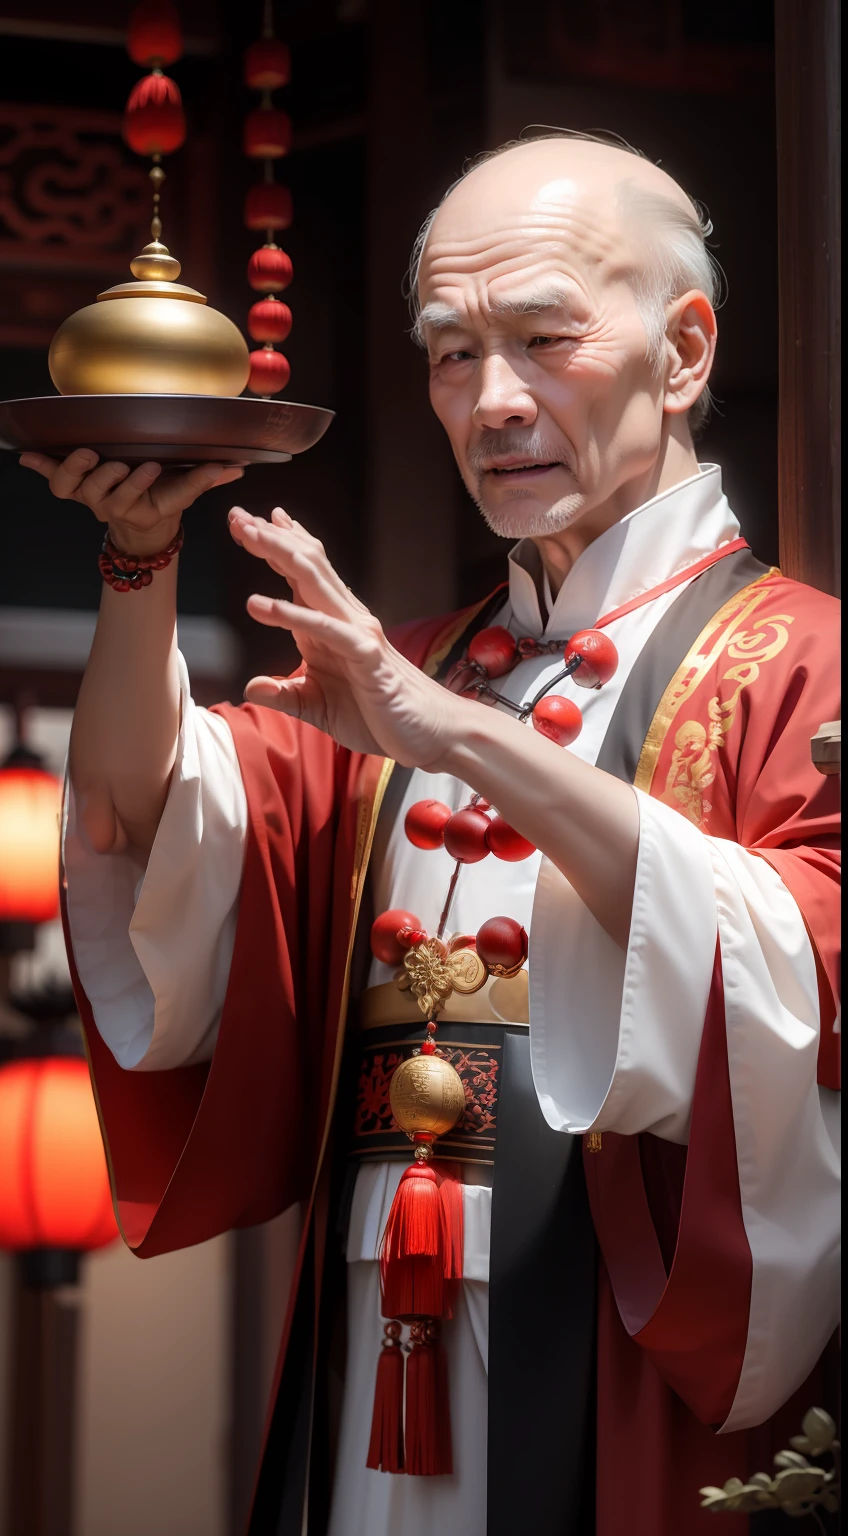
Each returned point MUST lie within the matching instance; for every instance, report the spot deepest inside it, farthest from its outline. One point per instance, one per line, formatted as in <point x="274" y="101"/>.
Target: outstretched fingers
<point x="295" y="554"/>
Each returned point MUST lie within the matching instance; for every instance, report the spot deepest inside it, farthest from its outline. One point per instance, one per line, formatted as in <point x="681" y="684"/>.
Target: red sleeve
<point x="197" y="1150"/>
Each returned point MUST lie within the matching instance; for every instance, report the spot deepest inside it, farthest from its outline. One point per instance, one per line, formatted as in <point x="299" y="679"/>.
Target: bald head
<point x="563" y="292"/>
<point x="646" y="225"/>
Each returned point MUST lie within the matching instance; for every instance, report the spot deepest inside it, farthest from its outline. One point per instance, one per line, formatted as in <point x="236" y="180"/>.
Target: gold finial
<point x="157" y="176"/>
<point x="155" y="264"/>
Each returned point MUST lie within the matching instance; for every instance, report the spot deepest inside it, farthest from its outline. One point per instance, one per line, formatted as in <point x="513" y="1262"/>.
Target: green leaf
<point x="790" y="1459"/>
<point x="819" y="1428"/>
<point x="794" y="1485"/>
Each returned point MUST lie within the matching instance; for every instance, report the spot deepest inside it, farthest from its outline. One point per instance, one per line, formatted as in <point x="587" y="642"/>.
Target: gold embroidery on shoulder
<point x="693" y="762"/>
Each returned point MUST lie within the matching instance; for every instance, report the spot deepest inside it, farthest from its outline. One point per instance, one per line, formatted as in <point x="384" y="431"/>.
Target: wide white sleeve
<point x="153" y="945"/>
<point x="615" y="1036"/>
<point x="615" y="1040"/>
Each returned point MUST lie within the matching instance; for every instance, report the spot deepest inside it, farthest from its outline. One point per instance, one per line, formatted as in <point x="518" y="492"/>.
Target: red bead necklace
<point x="590" y="658"/>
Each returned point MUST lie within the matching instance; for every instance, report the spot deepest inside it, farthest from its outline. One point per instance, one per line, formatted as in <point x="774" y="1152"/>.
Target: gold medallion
<point x="467" y="971"/>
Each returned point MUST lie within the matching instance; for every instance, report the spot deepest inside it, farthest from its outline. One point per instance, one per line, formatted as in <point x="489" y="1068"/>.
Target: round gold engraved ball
<point x="426" y="1094"/>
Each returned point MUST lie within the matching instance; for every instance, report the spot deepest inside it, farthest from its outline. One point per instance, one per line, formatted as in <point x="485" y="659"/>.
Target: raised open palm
<point x="354" y="684"/>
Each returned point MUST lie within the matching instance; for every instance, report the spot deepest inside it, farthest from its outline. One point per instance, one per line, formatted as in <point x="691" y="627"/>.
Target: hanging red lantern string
<point x="268" y="206"/>
<point x="154" y="120"/>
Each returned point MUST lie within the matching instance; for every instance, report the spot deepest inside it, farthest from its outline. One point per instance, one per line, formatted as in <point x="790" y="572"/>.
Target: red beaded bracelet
<point x="129" y="573"/>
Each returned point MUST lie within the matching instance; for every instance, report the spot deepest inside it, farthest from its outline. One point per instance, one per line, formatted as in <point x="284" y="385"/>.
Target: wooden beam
<point x="807" y="40"/>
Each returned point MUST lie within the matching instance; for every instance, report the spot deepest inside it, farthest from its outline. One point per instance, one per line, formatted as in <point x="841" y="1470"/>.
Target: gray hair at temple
<point x="679" y="256"/>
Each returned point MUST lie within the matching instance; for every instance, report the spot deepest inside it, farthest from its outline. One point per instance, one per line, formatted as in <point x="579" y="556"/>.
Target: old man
<point x="631" y="1228"/>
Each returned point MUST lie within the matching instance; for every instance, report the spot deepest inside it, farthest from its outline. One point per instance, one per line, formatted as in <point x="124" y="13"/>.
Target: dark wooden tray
<point x="173" y="429"/>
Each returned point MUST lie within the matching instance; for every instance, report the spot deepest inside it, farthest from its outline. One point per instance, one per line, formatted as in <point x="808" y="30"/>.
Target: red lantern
<point x="154" y="35"/>
<point x="269" y="320"/>
<point x="267" y="134"/>
<point x="154" y="121"/>
<point x="267" y="65"/>
<point x="268" y="206"/>
<point x="29" y="845"/>
<point x="54" y="1192"/>
<point x="269" y="372"/>
<point x="269" y="269"/>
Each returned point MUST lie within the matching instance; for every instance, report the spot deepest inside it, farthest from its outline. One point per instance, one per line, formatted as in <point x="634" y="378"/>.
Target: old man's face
<point x="538" y="359"/>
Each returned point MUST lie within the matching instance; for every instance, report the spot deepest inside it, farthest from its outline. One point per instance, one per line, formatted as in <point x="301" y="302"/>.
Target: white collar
<point x="650" y="544"/>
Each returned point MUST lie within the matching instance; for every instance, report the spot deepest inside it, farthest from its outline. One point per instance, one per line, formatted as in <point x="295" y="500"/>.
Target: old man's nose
<point x="503" y="398"/>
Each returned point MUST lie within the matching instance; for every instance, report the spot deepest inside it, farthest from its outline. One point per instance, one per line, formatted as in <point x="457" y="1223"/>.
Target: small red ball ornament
<point x="154" y="35"/>
<point x="267" y="65"/>
<point x="154" y="121"/>
<point x="494" y="650"/>
<point x="502" y="942"/>
<point x="557" y="718"/>
<point x="425" y="823"/>
<point x="268" y="206"/>
<point x="267" y="133"/>
<point x="269" y="269"/>
<point x="384" y="934"/>
<point x="269" y="372"/>
<point x="465" y="836"/>
<point x="598" y="657"/>
<point x="269" y="320"/>
<point x="505" y="843"/>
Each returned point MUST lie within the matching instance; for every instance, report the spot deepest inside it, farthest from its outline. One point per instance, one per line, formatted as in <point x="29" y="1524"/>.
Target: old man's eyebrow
<point x="437" y="316"/>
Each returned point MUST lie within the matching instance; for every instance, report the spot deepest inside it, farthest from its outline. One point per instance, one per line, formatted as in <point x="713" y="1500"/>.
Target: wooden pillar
<point x="43" y="1410"/>
<point x="412" y="492"/>
<point x="807" y="41"/>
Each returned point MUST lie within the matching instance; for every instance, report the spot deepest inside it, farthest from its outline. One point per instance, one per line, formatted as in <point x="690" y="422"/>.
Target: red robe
<point x="195" y="1151"/>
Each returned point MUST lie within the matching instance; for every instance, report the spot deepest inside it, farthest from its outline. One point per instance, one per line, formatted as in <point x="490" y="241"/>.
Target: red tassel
<point x="428" y="1441"/>
<point x="420" y="1269"/>
<point x="385" y="1449"/>
<point x="414" y="1227"/>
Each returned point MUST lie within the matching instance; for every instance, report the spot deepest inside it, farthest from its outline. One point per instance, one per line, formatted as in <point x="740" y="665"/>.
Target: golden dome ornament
<point x="150" y="336"/>
<point x="151" y="371"/>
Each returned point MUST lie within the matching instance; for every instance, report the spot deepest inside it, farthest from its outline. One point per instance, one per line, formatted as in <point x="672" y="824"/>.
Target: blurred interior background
<point x="388" y="100"/>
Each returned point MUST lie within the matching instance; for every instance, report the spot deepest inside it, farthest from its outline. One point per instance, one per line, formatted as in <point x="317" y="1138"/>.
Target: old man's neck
<point x="676" y="462"/>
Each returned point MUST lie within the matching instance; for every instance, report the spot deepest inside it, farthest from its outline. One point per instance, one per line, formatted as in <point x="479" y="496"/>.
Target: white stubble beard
<point x="513" y="520"/>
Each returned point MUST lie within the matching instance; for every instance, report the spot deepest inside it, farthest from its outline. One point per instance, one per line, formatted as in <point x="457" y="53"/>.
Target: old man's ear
<point x="690" y="349"/>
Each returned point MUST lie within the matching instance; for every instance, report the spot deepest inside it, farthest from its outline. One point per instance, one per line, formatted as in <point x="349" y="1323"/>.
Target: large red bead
<point x="268" y="206"/>
<point x="269" y="320"/>
<point x="154" y="121"/>
<point x="598" y="657"/>
<point x="425" y="823"/>
<point x="502" y="941"/>
<point x="267" y="64"/>
<point x="505" y="843"/>
<point x="269" y="269"/>
<point x="385" y="945"/>
<point x="557" y="718"/>
<point x="269" y="372"/>
<point x="154" y="35"/>
<point x="494" y="649"/>
<point x="267" y="133"/>
<point x="465" y="836"/>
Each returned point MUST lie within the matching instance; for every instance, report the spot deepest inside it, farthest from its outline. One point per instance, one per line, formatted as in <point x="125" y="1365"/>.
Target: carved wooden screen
<point x="73" y="211"/>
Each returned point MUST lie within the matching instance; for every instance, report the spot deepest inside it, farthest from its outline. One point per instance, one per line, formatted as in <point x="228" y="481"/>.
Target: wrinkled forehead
<point x="491" y="238"/>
